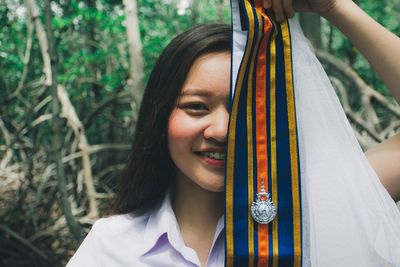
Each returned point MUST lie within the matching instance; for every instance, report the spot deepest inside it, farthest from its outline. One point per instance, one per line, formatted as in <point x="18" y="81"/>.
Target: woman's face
<point x="198" y="125"/>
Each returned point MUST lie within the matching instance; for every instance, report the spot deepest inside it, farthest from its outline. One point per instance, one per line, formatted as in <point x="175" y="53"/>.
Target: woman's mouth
<point x="214" y="155"/>
<point x="213" y="158"/>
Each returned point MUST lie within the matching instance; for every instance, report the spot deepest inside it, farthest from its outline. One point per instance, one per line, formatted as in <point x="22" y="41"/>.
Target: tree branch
<point x="24" y="242"/>
<point x="26" y="61"/>
<point x="68" y="111"/>
<point x="124" y="95"/>
<point x="41" y="34"/>
<point x="346" y="71"/>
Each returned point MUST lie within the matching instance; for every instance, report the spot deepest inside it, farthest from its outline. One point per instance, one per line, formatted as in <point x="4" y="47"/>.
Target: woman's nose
<point x="217" y="128"/>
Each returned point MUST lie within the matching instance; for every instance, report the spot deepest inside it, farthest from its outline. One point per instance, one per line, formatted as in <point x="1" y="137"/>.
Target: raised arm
<point x="378" y="45"/>
<point x="382" y="50"/>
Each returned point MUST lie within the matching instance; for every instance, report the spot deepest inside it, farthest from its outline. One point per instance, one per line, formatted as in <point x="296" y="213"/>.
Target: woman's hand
<point x="286" y="8"/>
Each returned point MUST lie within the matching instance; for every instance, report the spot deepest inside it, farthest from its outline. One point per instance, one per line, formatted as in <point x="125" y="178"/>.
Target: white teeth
<point x="214" y="155"/>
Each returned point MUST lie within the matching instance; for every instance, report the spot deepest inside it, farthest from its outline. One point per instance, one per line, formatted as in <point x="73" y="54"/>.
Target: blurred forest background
<point x="71" y="77"/>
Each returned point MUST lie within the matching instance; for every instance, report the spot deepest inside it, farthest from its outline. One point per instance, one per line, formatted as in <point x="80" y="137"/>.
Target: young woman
<point x="171" y="192"/>
<point x="169" y="208"/>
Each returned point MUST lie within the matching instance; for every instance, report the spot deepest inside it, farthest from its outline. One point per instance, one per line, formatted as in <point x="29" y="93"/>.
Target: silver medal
<point x="263" y="209"/>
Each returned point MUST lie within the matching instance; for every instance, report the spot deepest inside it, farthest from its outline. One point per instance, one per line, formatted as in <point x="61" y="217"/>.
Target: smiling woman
<point x="197" y="131"/>
<point x="171" y="194"/>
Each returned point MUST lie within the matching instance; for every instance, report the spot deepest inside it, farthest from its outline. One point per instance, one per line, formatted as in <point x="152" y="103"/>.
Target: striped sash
<point x="262" y="142"/>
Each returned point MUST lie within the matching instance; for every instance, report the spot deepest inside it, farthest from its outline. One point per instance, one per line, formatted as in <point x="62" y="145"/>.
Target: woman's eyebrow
<point x="195" y="92"/>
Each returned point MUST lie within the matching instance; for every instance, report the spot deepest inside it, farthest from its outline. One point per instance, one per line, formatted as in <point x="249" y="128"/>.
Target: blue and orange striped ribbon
<point x="262" y="145"/>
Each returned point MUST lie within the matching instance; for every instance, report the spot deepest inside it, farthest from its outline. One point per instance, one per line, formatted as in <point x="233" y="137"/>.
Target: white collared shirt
<point x="148" y="240"/>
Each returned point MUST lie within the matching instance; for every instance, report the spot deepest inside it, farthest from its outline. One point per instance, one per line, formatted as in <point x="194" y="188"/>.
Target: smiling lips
<point x="215" y="158"/>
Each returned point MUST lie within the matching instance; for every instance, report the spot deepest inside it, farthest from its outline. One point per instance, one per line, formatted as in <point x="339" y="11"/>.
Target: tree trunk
<point x="92" y="45"/>
<point x="136" y="72"/>
<point x="57" y="125"/>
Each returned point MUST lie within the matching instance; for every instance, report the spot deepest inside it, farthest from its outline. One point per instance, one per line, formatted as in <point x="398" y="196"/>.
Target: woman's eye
<point x="194" y="108"/>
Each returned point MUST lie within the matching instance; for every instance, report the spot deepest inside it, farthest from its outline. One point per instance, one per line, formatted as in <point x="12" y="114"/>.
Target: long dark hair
<point x="149" y="171"/>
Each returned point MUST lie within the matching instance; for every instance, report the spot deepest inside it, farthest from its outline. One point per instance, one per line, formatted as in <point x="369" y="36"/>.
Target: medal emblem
<point x="263" y="209"/>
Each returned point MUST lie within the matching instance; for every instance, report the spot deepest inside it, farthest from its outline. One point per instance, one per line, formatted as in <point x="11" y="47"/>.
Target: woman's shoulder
<point x="113" y="237"/>
<point x="120" y="225"/>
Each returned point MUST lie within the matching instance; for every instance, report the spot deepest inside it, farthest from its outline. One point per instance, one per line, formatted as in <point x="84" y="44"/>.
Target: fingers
<point x="267" y="4"/>
<point x="288" y="7"/>
<point x="282" y="9"/>
<point x="277" y="8"/>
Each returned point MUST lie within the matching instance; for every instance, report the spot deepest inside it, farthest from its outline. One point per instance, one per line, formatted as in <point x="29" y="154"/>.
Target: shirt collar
<point x="163" y="221"/>
<point x="160" y="222"/>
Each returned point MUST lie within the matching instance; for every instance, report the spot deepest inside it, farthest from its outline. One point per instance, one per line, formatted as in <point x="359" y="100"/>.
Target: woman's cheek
<point x="184" y="128"/>
<point x="182" y="125"/>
